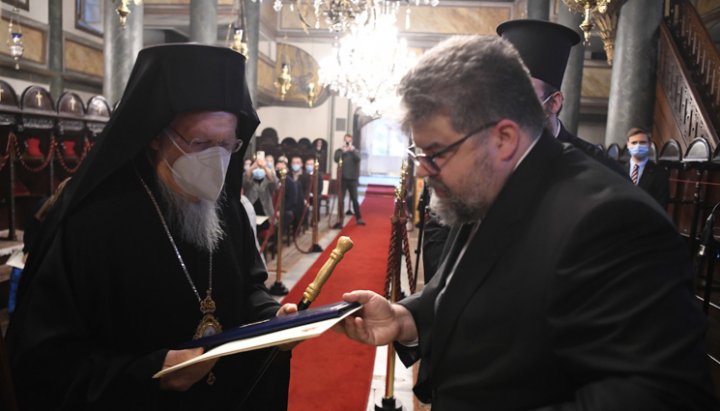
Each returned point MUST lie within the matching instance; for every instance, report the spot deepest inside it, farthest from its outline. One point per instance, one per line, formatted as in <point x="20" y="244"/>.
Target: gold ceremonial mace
<point x="313" y="289"/>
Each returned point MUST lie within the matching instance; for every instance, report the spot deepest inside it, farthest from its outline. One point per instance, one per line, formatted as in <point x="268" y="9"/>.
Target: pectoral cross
<point x="38" y="97"/>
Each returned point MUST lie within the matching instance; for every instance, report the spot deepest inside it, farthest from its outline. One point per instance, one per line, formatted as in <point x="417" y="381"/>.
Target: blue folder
<point x="311" y="315"/>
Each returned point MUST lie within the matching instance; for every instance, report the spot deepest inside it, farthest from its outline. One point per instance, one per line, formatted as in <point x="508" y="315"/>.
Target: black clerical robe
<point x="110" y="298"/>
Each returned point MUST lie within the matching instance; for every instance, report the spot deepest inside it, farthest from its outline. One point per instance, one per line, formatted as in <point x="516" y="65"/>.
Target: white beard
<point x="198" y="222"/>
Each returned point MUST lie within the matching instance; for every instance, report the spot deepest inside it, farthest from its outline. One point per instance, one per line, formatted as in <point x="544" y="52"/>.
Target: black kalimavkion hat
<point x="543" y="46"/>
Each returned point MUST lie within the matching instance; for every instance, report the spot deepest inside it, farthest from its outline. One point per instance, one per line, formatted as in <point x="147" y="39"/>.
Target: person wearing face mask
<point x="259" y="184"/>
<point x="644" y="173"/>
<point x="148" y="247"/>
<point x="544" y="48"/>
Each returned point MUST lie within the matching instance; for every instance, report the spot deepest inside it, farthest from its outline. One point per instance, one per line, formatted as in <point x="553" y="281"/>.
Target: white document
<point x="298" y="333"/>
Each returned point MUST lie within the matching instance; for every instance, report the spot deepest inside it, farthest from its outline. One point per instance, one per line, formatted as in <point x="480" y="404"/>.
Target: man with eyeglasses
<point x="149" y="247"/>
<point x="562" y="287"/>
<point x="545" y="47"/>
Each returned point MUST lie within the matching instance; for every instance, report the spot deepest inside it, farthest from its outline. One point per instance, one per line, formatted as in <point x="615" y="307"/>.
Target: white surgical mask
<point x="201" y="174"/>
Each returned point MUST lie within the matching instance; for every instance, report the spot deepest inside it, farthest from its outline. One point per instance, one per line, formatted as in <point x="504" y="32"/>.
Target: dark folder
<point x="311" y="315"/>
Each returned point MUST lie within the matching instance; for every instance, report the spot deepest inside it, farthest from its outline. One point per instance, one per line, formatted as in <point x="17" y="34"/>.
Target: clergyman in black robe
<point x="104" y="298"/>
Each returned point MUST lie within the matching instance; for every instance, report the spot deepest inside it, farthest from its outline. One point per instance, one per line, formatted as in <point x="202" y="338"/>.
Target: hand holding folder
<point x="306" y="323"/>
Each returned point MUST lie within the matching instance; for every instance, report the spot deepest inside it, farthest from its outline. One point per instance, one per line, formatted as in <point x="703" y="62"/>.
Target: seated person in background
<point x="643" y="172"/>
<point x="259" y="184"/>
<point x="148" y="247"/>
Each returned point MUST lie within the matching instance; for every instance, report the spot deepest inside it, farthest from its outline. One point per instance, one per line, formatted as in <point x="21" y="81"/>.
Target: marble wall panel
<point x="84" y="59"/>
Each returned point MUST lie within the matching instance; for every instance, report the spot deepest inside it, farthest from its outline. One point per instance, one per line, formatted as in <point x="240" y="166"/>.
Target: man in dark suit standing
<point x="350" y="156"/>
<point x="544" y="48"/>
<point x="563" y="286"/>
<point x="644" y="173"/>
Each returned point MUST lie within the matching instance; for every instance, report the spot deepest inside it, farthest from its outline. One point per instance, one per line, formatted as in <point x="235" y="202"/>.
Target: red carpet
<point x="331" y="372"/>
<point x="376" y="189"/>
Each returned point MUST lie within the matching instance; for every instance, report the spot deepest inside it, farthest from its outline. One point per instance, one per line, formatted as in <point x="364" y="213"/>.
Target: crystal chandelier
<point x="368" y="64"/>
<point x="341" y="15"/>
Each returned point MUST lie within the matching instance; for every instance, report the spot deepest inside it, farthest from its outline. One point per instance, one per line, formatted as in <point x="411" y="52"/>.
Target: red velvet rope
<point x="45" y="162"/>
<point x="63" y="164"/>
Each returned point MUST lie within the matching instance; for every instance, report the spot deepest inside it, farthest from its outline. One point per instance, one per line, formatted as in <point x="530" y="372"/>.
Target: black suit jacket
<point x="655" y="180"/>
<point x="576" y="292"/>
<point x="591" y="150"/>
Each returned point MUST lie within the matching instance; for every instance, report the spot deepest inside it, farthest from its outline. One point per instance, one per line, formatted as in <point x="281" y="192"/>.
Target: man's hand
<point x="379" y="322"/>
<point x="182" y="380"/>
<point x="283" y="311"/>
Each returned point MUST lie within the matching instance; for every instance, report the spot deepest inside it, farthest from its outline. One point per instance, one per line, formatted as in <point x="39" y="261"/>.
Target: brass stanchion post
<point x="398" y="248"/>
<point x="340" y="197"/>
<point x="315" y="209"/>
<point x="278" y="288"/>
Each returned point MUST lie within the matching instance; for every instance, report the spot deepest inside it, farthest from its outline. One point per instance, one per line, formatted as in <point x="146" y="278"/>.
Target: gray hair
<point x="474" y="79"/>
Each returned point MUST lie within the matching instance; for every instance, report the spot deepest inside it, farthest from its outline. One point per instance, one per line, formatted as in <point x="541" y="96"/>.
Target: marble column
<point x="55" y="48"/>
<point x="121" y="46"/>
<point x="632" y="87"/>
<point x="203" y="21"/>
<point x="252" y="35"/>
<point x="538" y="9"/>
<point x="572" y="82"/>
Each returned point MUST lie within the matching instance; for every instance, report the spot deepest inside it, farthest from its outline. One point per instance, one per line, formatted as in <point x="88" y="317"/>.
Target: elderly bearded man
<point x="147" y="247"/>
<point x="563" y="286"/>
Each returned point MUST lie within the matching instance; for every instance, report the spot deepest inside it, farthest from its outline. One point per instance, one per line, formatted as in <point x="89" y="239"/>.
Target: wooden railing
<point x="685" y="102"/>
<point x="698" y="52"/>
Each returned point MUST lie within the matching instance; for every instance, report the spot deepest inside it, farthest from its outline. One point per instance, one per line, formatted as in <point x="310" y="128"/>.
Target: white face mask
<point x="201" y="174"/>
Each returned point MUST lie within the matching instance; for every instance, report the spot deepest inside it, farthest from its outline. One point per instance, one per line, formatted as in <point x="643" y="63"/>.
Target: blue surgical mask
<point x="295" y="168"/>
<point x="258" y="174"/>
<point x="309" y="169"/>
<point x="639" y="150"/>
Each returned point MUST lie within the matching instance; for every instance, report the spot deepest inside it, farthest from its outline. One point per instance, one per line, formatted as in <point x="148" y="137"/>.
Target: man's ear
<point x="556" y="102"/>
<point x="507" y="138"/>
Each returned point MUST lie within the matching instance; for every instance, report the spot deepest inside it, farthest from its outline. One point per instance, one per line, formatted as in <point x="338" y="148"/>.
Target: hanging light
<point x="15" y="40"/>
<point x="238" y="42"/>
<point x="341" y="15"/>
<point x="368" y="65"/>
<point x="604" y="13"/>
<point x="123" y="11"/>
<point x="284" y="81"/>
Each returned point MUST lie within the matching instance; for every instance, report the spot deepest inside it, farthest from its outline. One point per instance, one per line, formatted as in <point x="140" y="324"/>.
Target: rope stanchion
<point x="399" y="247"/>
<point x="340" y="199"/>
<point x="278" y="288"/>
<point x="315" y="247"/>
<point x="46" y="161"/>
<point x="63" y="164"/>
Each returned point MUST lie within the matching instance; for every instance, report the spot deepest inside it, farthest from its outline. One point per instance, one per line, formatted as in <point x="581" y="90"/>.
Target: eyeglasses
<point x="199" y="144"/>
<point x="428" y="161"/>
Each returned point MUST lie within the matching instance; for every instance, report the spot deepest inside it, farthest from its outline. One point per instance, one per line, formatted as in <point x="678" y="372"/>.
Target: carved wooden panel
<point x="684" y="101"/>
<point x="8" y="98"/>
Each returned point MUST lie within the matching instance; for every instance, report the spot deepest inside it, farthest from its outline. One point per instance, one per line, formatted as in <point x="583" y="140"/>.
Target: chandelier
<point x="15" y="41"/>
<point x="341" y="15"/>
<point x="605" y="14"/>
<point x="368" y="64"/>
<point x="236" y="30"/>
<point x="123" y="10"/>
